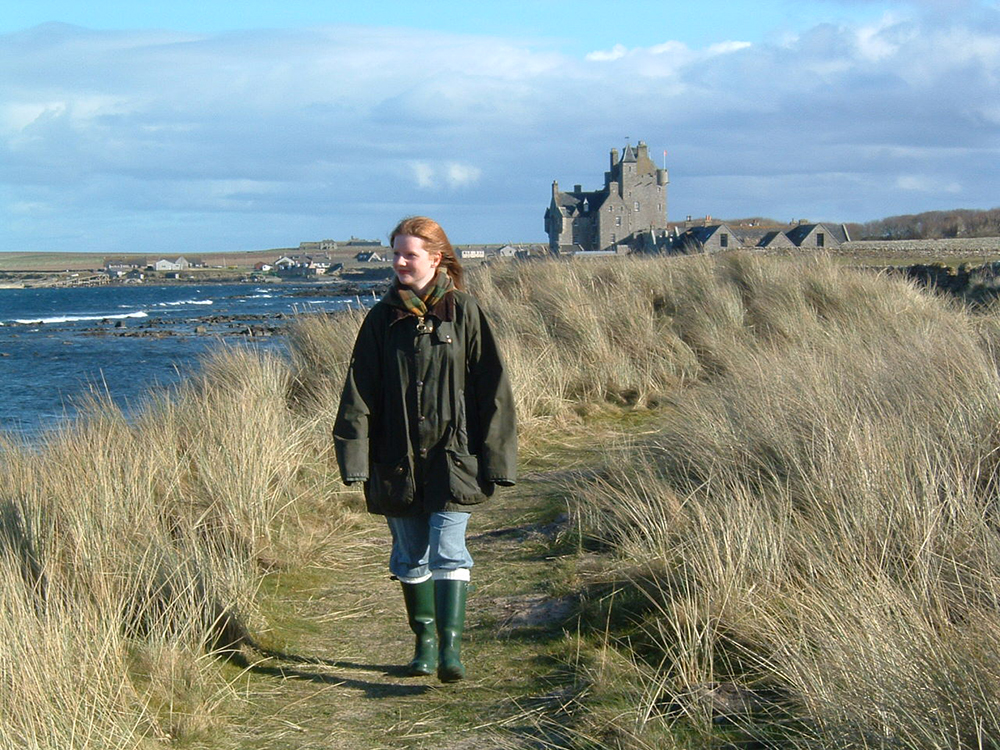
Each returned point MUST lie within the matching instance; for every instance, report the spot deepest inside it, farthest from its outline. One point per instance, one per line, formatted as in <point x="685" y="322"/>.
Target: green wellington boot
<point x="449" y="600"/>
<point x="419" y="598"/>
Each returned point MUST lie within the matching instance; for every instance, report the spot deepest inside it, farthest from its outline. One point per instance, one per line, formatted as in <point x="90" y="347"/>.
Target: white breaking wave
<point x="76" y="318"/>
<point x="186" y="302"/>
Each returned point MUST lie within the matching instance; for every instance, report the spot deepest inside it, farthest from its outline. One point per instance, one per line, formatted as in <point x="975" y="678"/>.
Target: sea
<point x="61" y="346"/>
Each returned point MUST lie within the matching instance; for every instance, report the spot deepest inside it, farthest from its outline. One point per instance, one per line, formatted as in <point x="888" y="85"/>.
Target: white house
<point x="181" y="264"/>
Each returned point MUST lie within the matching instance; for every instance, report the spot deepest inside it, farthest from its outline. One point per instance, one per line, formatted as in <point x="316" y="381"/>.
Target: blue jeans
<point x="430" y="544"/>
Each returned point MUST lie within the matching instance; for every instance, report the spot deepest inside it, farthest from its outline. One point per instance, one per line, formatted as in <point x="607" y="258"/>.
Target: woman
<point x="426" y="421"/>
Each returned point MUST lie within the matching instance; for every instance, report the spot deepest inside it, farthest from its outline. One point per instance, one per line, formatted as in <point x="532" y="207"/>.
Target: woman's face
<point x="414" y="266"/>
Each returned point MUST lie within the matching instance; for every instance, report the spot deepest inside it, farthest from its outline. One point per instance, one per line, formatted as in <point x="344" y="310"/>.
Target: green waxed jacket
<point x="426" y="419"/>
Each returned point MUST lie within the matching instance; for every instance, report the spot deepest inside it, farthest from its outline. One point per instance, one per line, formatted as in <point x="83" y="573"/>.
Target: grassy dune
<point x="129" y="550"/>
<point x="799" y="547"/>
<point x="807" y="545"/>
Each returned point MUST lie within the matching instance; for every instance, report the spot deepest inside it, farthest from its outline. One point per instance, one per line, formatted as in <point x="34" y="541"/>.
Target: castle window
<point x="635" y="205"/>
<point x="618" y="221"/>
<point x="820" y="239"/>
<point x="724" y="240"/>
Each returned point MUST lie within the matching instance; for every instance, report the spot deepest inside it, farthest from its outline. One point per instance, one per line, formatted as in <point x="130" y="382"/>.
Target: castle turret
<point x="629" y="212"/>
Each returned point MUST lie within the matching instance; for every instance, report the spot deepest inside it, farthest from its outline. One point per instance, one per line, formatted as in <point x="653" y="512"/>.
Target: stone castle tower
<point x="628" y="211"/>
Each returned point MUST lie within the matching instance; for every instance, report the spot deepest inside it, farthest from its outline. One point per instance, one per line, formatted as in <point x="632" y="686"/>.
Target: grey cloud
<point x="339" y="130"/>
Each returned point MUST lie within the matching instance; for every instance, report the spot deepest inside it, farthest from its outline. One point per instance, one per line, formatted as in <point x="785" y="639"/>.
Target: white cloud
<point x="16" y="116"/>
<point x="263" y="136"/>
<point x="727" y="48"/>
<point x="423" y="173"/>
<point x="672" y="47"/>
<point x="460" y="174"/>
<point x="615" y="53"/>
<point x="672" y="54"/>
<point x="926" y="184"/>
<point x="451" y="175"/>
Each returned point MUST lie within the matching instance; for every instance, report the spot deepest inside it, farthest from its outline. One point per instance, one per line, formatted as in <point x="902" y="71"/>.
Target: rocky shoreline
<point x="248" y="326"/>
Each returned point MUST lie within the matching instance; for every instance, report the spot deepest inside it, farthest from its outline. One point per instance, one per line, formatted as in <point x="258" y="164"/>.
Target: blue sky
<point x="192" y="127"/>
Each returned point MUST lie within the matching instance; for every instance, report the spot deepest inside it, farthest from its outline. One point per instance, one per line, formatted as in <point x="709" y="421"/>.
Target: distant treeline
<point x="931" y="225"/>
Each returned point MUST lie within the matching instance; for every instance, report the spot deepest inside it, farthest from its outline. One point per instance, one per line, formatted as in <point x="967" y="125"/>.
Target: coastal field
<point x="758" y="510"/>
<point x="61" y="262"/>
<point x="67" y="261"/>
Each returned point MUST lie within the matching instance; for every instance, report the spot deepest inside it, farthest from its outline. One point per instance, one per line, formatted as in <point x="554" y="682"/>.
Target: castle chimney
<point x="614" y="158"/>
<point x="578" y="188"/>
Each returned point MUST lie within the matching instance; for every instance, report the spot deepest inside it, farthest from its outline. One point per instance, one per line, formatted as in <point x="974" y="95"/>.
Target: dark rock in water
<point x="119" y="324"/>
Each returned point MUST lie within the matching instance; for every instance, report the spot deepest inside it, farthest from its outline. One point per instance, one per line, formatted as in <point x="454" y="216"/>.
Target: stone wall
<point x="957" y="246"/>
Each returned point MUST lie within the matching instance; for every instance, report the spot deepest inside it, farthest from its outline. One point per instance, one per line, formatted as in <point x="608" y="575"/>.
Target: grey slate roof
<point x="798" y="233"/>
<point x="571" y="204"/>
<point x="774" y="238"/>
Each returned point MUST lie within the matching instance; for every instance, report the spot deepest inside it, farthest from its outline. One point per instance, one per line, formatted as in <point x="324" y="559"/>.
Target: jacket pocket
<point x="390" y="490"/>
<point x="463" y="479"/>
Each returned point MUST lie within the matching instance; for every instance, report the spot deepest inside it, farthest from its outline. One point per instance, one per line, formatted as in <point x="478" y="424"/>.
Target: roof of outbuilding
<point x="774" y="238"/>
<point x="798" y="233"/>
<point x="705" y="233"/>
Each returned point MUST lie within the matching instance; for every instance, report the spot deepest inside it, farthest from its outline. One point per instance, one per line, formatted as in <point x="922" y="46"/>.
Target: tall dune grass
<point x="128" y="549"/>
<point x="814" y="526"/>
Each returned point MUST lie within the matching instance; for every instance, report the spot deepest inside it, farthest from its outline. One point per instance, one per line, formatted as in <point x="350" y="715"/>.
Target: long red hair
<point x="435" y="242"/>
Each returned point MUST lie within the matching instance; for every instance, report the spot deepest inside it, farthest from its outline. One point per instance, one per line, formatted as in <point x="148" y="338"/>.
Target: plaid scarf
<point x="418" y="305"/>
